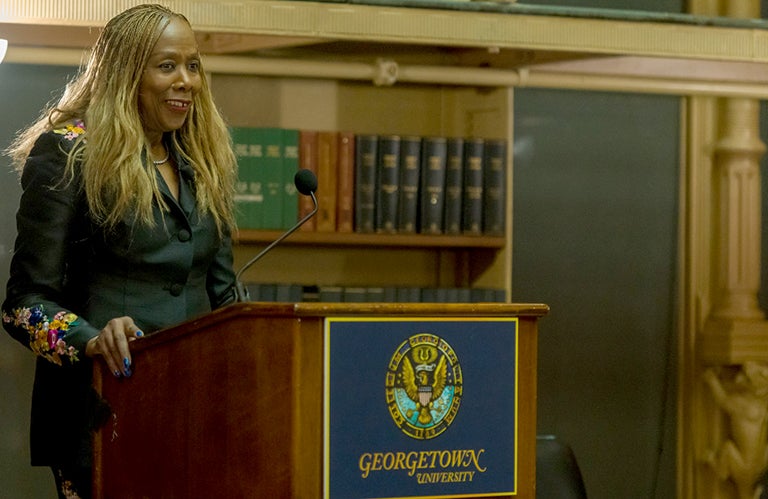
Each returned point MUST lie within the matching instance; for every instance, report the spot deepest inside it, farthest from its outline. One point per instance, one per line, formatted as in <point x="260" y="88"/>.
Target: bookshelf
<point x="371" y="259"/>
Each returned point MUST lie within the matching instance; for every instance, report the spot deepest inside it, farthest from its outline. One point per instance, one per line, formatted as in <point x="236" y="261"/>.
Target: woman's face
<point x="170" y="80"/>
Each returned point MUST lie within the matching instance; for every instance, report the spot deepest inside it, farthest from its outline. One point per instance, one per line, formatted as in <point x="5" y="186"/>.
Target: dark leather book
<point x="494" y="187"/>
<point x="433" y="169"/>
<point x="408" y="189"/>
<point x="472" y="202"/>
<point x="387" y="183"/>
<point x="366" y="159"/>
<point x="454" y="184"/>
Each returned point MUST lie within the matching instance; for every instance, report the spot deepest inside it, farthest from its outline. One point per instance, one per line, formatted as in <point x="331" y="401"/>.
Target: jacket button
<point x="176" y="289"/>
<point x="184" y="235"/>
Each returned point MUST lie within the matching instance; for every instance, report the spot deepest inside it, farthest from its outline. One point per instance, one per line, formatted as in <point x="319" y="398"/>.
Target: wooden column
<point x="737" y="169"/>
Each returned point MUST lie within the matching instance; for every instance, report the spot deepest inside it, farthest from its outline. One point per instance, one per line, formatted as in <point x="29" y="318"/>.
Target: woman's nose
<point x="183" y="81"/>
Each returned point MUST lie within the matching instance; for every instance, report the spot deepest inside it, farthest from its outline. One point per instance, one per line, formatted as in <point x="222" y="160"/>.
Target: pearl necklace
<point x="165" y="159"/>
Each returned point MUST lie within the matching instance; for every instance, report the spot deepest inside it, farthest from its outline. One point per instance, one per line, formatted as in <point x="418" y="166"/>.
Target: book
<point x="287" y="292"/>
<point x="429" y="295"/>
<point x="454" y="184"/>
<point x="387" y="182"/>
<point x="275" y="291"/>
<point x="330" y="293"/>
<point x="327" y="158"/>
<point x="366" y="159"/>
<point x="472" y="199"/>
<point x="464" y="295"/>
<point x="345" y="183"/>
<point x="353" y="294"/>
<point x="494" y="187"/>
<point x="307" y="161"/>
<point x="408" y="184"/>
<point x="270" y="166"/>
<point x="290" y="166"/>
<point x="432" y="189"/>
<point x="310" y="293"/>
<point x="389" y="294"/>
<point x="249" y="194"/>
<point x="377" y="294"/>
<point x="487" y="295"/>
<point x="448" y="295"/>
<point x="408" y="294"/>
<point x="262" y="291"/>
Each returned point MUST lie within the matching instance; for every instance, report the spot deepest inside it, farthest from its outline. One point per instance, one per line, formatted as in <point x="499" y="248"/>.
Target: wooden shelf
<point x="330" y="239"/>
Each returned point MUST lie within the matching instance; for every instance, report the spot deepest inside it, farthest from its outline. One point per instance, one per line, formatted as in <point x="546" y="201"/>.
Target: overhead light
<point x="3" y="48"/>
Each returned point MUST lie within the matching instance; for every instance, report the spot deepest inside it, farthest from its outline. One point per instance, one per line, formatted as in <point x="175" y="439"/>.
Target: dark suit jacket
<point x="69" y="276"/>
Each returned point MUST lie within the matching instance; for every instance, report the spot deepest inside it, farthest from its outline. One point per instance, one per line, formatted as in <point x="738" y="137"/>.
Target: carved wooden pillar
<point x="732" y="399"/>
<point x="725" y="448"/>
<point x="737" y="183"/>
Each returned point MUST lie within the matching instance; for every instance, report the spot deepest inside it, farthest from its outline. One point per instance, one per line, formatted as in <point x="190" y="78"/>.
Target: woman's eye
<point x="194" y="66"/>
<point x="167" y="66"/>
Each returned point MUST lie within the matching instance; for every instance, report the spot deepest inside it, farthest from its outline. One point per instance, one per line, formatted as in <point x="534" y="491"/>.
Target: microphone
<point x="306" y="183"/>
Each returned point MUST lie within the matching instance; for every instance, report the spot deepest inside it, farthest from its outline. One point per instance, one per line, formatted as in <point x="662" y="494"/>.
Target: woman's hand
<point x="112" y="344"/>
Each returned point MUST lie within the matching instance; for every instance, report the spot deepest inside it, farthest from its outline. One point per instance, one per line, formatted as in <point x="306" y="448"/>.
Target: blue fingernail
<point x="116" y="373"/>
<point x="139" y="333"/>
<point x="126" y="363"/>
<point x="128" y="372"/>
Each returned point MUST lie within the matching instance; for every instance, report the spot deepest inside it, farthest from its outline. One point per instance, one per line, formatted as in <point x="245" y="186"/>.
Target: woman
<point x="123" y="225"/>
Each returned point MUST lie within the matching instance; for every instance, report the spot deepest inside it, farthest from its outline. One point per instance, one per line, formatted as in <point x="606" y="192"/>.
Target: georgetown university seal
<point x="424" y="386"/>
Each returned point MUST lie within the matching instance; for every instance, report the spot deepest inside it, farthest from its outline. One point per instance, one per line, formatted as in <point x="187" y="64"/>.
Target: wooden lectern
<point x="231" y="404"/>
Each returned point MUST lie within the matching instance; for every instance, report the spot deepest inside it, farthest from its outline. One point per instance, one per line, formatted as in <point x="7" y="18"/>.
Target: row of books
<point x="372" y="183"/>
<point x="267" y="160"/>
<point x="430" y="185"/>
<point x="290" y="292"/>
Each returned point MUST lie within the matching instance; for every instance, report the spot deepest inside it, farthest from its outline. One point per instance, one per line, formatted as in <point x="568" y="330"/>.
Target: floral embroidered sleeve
<point x="34" y="312"/>
<point x="47" y="338"/>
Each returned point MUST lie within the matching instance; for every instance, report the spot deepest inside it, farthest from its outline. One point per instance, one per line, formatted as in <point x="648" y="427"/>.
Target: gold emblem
<point x="424" y="386"/>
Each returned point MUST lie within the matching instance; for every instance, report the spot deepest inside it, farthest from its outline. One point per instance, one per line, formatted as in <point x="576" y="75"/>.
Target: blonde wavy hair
<point x="112" y="155"/>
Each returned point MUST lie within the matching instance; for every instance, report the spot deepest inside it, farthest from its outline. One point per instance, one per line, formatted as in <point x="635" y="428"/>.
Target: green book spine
<point x="366" y="158"/>
<point x="454" y="184"/>
<point x="494" y="187"/>
<point x="270" y="168"/>
<point x="472" y="203"/>
<point x="249" y="193"/>
<point x="408" y="189"/>
<point x="433" y="165"/>
<point x="289" y="169"/>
